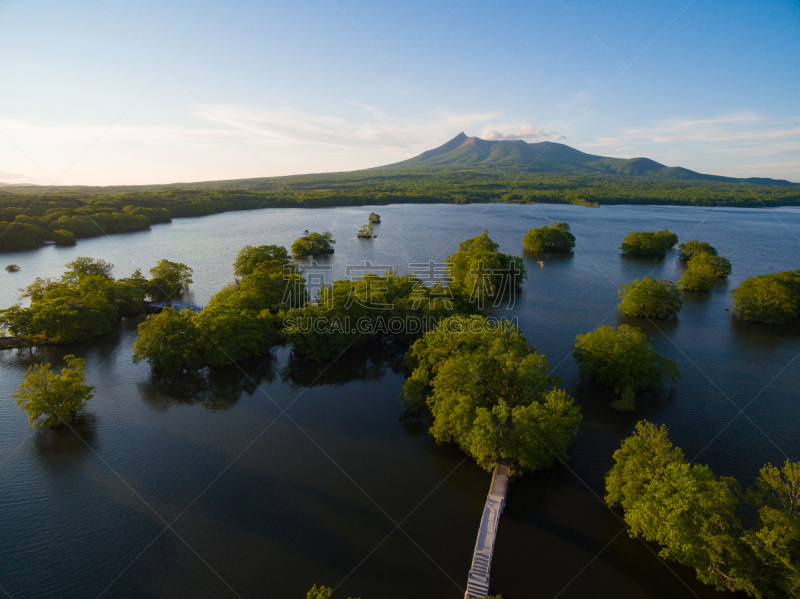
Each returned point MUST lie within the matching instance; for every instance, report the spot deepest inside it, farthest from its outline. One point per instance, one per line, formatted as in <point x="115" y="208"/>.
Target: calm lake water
<point x="199" y="486"/>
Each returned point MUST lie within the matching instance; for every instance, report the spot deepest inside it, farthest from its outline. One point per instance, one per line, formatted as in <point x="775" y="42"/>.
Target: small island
<point x="772" y="298"/>
<point x="313" y="244"/>
<point x="650" y="298"/>
<point x="553" y="238"/>
<point x="366" y="232"/>
<point x="648" y="243"/>
<point x="374" y="219"/>
<point x="12" y="268"/>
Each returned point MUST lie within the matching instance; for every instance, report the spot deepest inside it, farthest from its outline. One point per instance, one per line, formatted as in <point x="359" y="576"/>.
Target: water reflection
<point x="66" y="445"/>
<point x="651" y="327"/>
<point x="215" y="389"/>
<point x="415" y="424"/>
<point x="548" y="256"/>
<point x="367" y="363"/>
<point x="765" y="335"/>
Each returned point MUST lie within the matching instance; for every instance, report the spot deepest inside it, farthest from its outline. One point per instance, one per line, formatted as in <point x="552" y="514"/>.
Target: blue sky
<point x="110" y="92"/>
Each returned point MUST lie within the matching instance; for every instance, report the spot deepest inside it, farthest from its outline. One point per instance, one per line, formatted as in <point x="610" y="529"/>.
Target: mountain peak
<point x="465" y="152"/>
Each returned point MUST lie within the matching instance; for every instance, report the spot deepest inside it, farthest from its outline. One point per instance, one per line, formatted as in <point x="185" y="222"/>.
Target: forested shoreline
<point x="31" y="216"/>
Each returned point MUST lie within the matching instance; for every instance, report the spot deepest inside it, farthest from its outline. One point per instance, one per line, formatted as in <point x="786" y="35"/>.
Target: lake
<point x="261" y="484"/>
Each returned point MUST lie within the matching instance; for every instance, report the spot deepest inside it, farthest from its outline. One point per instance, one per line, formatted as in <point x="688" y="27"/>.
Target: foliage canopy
<point x="622" y="359"/>
<point x="314" y="244"/>
<point x="648" y="243"/>
<point x="772" y="298"/>
<point x="51" y="399"/>
<point x="650" y="298"/>
<point x="481" y="271"/>
<point x="703" y="269"/>
<point x="553" y="238"/>
<point x="490" y="393"/>
<point x="698" y="518"/>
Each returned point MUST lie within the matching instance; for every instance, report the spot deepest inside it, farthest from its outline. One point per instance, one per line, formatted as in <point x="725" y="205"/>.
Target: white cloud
<point x="747" y="129"/>
<point x="718" y="145"/>
<point x="525" y="132"/>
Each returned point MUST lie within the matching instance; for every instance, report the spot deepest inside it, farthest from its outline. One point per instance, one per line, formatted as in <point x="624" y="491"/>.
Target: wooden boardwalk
<point x="478" y="581"/>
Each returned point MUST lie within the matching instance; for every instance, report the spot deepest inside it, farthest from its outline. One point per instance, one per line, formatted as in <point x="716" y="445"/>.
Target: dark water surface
<point x="199" y="486"/>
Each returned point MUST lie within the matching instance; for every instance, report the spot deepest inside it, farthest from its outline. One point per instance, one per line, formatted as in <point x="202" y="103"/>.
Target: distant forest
<point x="38" y="214"/>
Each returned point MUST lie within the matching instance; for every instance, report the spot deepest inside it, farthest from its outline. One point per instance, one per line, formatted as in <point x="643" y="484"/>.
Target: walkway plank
<point x="478" y="580"/>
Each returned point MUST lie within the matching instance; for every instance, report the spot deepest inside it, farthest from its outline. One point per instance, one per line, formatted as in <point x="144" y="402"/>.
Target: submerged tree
<point x="772" y="298"/>
<point x="264" y="257"/>
<point x="481" y="271"/>
<point x="694" y="247"/>
<point x="553" y="238"/>
<point x="366" y="232"/>
<point x="621" y="358"/>
<point x="169" y="280"/>
<point x="698" y="520"/>
<point x="51" y="399"/>
<point x="650" y="298"/>
<point x="491" y="393"/>
<point x="170" y="341"/>
<point x="703" y="269"/>
<point x="313" y="244"/>
<point x="648" y="243"/>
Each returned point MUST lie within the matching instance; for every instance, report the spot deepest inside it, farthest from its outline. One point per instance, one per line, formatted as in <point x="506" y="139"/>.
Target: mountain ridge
<point x="554" y="157"/>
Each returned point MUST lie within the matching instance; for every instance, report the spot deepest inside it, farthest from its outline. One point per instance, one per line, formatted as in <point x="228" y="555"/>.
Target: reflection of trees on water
<point x="65" y="445"/>
<point x="213" y="388"/>
<point x="366" y="363"/>
<point x="415" y="423"/>
<point x="769" y="336"/>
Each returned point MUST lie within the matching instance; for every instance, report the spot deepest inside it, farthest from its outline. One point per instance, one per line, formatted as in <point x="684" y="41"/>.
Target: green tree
<point x="621" y="358"/>
<point x="62" y="237"/>
<point x="321" y="592"/>
<point x="314" y="244"/>
<point x="374" y="219"/>
<point x="694" y="247"/>
<point x="170" y="342"/>
<point x="169" y="280"/>
<point x="232" y="334"/>
<point x="775" y="539"/>
<point x="697" y="517"/>
<point x="81" y="267"/>
<point x="772" y="298"/>
<point x="129" y="293"/>
<point x="365" y="232"/>
<point x="480" y="270"/>
<point x="650" y="298"/>
<point x="51" y="399"/>
<point x="648" y="243"/>
<point x="266" y="257"/>
<point x="701" y="272"/>
<point x="555" y="238"/>
<point x="491" y="393"/>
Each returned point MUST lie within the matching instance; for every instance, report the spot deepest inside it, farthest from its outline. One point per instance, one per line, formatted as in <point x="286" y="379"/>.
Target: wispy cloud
<point x="370" y="128"/>
<point x="260" y="125"/>
<point x="751" y="132"/>
<point x="720" y="144"/>
<point x="525" y="132"/>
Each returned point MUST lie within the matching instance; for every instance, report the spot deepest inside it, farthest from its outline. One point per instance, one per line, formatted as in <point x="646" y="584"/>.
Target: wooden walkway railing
<point x="179" y="306"/>
<point x="478" y="581"/>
